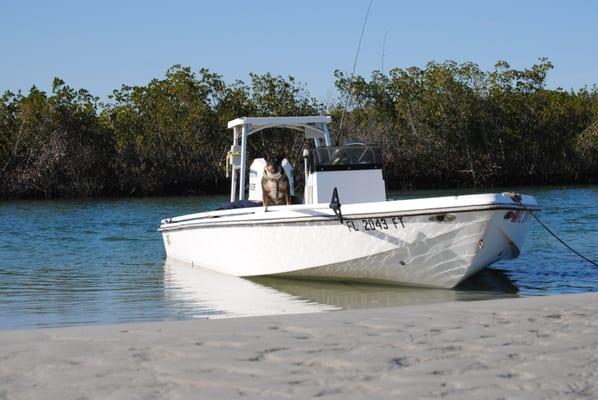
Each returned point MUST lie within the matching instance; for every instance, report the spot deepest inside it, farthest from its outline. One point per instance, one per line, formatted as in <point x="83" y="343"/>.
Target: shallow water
<point x="102" y="261"/>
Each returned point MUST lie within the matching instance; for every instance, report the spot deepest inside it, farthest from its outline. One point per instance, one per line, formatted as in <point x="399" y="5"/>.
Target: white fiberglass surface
<point x="395" y="206"/>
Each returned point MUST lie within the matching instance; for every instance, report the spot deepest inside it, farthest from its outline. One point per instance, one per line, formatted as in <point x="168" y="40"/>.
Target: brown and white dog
<point x="275" y="184"/>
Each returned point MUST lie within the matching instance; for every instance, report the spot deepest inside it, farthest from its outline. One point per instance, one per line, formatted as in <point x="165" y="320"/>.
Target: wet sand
<point x="532" y="348"/>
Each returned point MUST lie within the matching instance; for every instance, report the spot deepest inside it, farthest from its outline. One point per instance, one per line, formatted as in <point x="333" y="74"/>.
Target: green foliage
<point x="452" y="124"/>
<point x="160" y="131"/>
<point x="171" y="135"/>
<point x="586" y="146"/>
<point x="446" y="124"/>
<point x="53" y="145"/>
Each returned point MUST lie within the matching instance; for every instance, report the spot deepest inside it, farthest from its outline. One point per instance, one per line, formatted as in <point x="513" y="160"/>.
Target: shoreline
<point x="465" y="189"/>
<point x="532" y="347"/>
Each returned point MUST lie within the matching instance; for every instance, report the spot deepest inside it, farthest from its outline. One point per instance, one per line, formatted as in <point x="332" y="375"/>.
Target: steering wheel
<point x="340" y="156"/>
<point x="367" y="151"/>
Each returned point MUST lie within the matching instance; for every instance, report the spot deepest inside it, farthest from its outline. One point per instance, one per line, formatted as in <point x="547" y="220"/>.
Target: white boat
<point x="356" y="236"/>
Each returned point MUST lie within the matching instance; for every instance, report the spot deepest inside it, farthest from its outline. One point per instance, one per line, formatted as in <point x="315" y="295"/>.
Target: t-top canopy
<point x="315" y="127"/>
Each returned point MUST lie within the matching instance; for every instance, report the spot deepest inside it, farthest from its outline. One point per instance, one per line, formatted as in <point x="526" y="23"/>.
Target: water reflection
<point x="217" y="295"/>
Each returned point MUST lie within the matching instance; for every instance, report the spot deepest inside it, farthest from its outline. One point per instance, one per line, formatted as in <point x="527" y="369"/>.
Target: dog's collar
<point x="273" y="177"/>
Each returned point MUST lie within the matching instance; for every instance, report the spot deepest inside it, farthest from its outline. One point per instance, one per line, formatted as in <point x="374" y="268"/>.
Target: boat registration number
<point x="374" y="224"/>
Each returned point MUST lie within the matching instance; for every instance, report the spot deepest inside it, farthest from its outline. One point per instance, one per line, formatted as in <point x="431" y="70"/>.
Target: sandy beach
<point x="531" y="348"/>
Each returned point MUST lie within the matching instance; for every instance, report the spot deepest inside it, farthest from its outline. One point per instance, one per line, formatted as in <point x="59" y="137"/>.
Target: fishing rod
<point x="383" y="54"/>
<point x="365" y="20"/>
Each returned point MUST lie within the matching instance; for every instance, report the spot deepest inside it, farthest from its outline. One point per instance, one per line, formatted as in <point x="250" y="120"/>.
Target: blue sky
<point x="101" y="45"/>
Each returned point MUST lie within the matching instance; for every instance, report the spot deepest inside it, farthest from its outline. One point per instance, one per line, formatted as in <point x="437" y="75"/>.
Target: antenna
<point x="383" y="54"/>
<point x="365" y="20"/>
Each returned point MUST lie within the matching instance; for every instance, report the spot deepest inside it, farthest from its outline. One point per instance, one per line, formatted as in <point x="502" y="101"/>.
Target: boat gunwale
<point x="209" y="221"/>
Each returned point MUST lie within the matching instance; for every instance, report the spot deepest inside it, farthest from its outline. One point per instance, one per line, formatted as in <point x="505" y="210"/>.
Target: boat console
<point x="355" y="169"/>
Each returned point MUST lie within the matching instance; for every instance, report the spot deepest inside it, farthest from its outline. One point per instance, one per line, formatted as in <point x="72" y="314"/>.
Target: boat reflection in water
<point x="203" y="293"/>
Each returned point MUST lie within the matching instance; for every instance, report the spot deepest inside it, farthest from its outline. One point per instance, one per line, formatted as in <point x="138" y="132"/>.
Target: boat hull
<point x="433" y="248"/>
